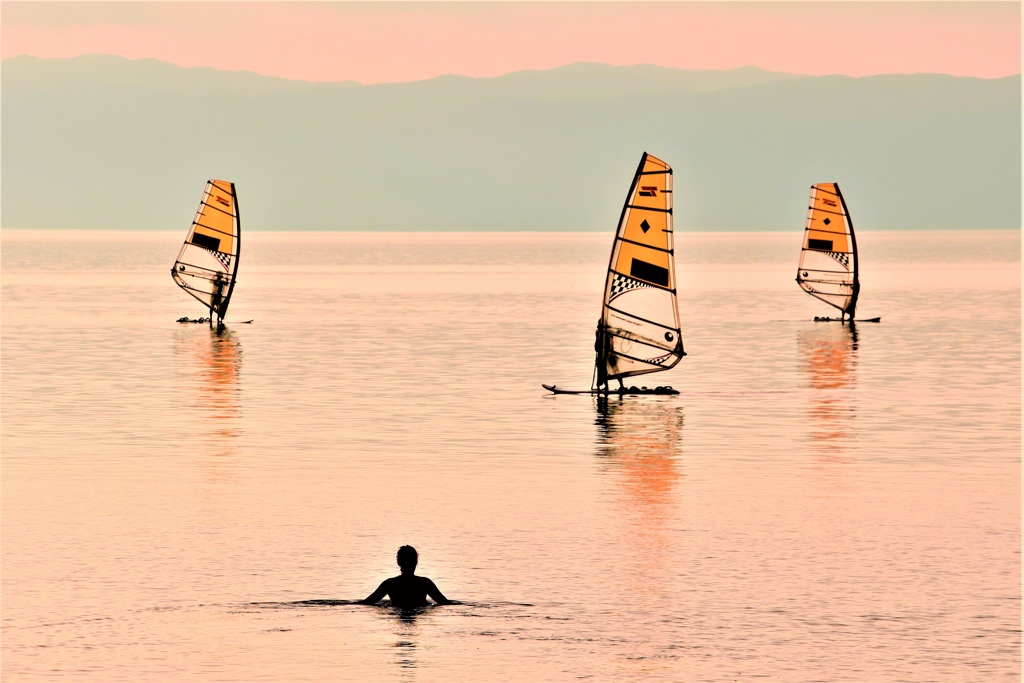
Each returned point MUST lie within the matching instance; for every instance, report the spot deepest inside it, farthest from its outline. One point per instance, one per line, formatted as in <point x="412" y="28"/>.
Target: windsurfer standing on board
<point x="217" y="297"/>
<point x="602" y="369"/>
<point x="602" y="359"/>
<point x="407" y="589"/>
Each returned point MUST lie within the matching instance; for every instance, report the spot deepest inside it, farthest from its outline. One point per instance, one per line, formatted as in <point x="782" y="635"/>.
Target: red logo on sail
<point x="648" y="190"/>
<point x="828" y="201"/>
<point x="222" y="200"/>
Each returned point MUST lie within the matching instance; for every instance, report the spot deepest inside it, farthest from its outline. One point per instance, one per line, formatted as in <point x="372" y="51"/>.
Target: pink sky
<point x="374" y="42"/>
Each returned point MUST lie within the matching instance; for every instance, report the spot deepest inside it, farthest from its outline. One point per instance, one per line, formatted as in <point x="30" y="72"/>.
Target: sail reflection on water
<point x="639" y="442"/>
<point x="829" y="353"/>
<point x="215" y="359"/>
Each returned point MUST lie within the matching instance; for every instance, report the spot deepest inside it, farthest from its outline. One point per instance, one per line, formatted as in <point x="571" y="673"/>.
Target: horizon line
<point x="596" y="231"/>
<point x="504" y="74"/>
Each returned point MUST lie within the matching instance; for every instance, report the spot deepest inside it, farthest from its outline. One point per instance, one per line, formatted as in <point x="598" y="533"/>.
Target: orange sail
<point x="828" y="259"/>
<point x="207" y="264"/>
<point x="639" y="328"/>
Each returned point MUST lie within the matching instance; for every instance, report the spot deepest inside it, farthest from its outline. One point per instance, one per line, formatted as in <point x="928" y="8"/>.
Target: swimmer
<point x="407" y="589"/>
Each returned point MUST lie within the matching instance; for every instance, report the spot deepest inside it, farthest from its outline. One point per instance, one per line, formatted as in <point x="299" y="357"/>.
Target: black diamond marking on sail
<point x="622" y="284"/>
<point x="827" y="221"/>
<point x="645" y="226"/>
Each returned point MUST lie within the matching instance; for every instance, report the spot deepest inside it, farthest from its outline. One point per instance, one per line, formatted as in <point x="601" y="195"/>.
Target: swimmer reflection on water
<point x="407" y="589"/>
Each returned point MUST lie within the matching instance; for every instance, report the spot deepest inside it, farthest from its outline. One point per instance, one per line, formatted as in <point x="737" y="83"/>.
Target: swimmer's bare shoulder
<point x="432" y="590"/>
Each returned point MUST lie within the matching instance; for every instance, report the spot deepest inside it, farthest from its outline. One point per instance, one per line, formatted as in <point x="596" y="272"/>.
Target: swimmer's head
<point x="407" y="558"/>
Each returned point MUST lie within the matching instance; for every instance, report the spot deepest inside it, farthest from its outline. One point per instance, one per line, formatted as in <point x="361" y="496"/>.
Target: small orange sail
<point x="207" y="264"/>
<point x="828" y="259"/>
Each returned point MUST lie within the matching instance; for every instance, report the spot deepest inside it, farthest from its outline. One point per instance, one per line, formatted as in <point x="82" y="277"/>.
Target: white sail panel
<point x="639" y="328"/>
<point x="828" y="258"/>
<point x="207" y="264"/>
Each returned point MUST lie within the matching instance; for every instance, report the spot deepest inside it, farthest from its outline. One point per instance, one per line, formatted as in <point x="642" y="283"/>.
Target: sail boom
<point x="821" y="271"/>
<point x="197" y="271"/>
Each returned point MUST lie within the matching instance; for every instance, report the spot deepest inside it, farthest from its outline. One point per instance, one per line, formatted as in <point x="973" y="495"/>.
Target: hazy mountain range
<point x="107" y="142"/>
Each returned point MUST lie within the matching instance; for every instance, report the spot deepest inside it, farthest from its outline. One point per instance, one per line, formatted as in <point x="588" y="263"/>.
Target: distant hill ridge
<point x="585" y="79"/>
<point x="107" y="142"/>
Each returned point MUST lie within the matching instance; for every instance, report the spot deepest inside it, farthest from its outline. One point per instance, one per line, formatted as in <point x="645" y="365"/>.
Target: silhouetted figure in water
<point x="407" y="590"/>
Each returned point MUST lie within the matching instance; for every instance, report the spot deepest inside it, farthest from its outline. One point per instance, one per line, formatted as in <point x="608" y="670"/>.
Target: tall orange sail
<point x="639" y="328"/>
<point x="207" y="264"/>
<point x="828" y="258"/>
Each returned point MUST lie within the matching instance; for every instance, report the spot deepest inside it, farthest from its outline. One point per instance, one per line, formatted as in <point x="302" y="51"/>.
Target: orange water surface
<point x="819" y="503"/>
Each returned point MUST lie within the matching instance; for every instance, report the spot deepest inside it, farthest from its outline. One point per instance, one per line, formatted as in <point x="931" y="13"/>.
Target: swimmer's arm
<point x="436" y="595"/>
<point x="377" y="595"/>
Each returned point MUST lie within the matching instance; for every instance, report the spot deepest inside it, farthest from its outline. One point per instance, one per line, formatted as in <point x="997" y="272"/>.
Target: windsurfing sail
<point x="639" y="331"/>
<point x="828" y="259"/>
<point x="208" y="261"/>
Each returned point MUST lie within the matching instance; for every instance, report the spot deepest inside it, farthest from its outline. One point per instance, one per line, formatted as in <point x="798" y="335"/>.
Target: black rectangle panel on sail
<point x="206" y="241"/>
<point x="649" y="272"/>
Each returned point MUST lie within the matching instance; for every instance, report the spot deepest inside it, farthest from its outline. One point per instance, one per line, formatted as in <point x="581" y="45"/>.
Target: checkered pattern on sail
<point x="842" y="257"/>
<point x="622" y="284"/>
<point x="223" y="258"/>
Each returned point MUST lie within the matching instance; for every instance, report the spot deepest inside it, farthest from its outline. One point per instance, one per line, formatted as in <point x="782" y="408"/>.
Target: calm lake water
<point x="820" y="503"/>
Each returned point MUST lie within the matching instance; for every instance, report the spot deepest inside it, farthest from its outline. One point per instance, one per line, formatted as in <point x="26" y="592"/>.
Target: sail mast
<point x="851" y="308"/>
<point x="238" y="249"/>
